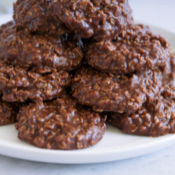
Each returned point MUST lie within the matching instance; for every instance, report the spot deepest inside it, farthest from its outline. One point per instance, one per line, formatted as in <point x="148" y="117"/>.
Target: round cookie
<point x="106" y="92"/>
<point x="37" y="16"/>
<point x="8" y="112"/>
<point x="60" y="124"/>
<point x="153" y="119"/>
<point x="17" y="84"/>
<point x="41" y="53"/>
<point x="103" y="20"/>
<point x="136" y="49"/>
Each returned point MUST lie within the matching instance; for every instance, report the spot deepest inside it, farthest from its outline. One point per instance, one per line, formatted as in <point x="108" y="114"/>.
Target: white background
<point x="156" y="12"/>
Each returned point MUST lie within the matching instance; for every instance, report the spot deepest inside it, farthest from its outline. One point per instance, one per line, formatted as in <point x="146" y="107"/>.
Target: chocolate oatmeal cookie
<point x="134" y="50"/>
<point x="8" y="112"/>
<point x="153" y="119"/>
<point x="106" y="92"/>
<point x="41" y="53"/>
<point x="16" y="84"/>
<point x="37" y="16"/>
<point x="60" y="124"/>
<point x="103" y="20"/>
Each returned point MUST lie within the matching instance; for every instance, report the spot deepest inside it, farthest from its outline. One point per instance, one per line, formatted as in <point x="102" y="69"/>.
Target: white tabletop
<point x="158" y="163"/>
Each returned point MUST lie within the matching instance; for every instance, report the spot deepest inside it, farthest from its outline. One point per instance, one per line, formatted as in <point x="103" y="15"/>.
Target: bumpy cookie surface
<point x="153" y="119"/>
<point x="37" y="16"/>
<point x="40" y="52"/>
<point x="106" y="92"/>
<point x="60" y="124"/>
<point x="102" y="19"/>
<point x="17" y="84"/>
<point x="134" y="50"/>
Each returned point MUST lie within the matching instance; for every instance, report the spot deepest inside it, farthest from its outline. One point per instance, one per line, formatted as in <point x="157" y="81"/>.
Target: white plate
<point x="114" y="146"/>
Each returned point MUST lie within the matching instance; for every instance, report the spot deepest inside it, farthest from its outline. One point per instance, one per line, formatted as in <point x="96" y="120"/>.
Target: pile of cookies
<point x="69" y="66"/>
